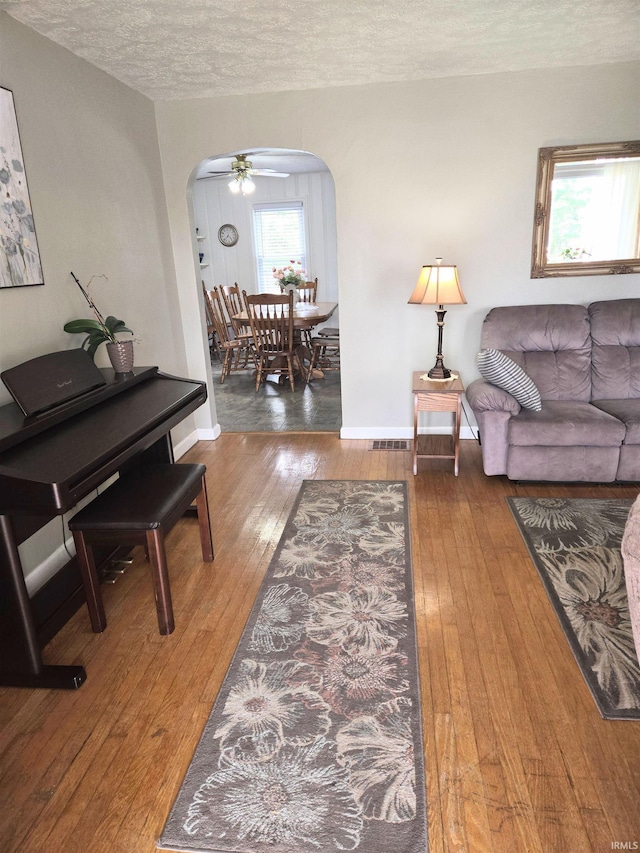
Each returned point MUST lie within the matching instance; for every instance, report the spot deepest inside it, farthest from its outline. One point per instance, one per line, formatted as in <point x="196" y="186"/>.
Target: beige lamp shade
<point x="438" y="285"/>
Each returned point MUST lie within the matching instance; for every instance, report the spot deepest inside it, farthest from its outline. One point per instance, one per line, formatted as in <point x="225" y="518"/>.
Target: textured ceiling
<point x="169" y="49"/>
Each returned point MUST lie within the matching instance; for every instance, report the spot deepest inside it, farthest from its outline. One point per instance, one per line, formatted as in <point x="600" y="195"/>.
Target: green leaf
<point x="91" y="349"/>
<point x="114" y="325"/>
<point x="75" y="327"/>
<point x="93" y="341"/>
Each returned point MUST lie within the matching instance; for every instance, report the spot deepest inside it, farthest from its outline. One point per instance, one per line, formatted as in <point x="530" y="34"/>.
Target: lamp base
<point x="439" y="371"/>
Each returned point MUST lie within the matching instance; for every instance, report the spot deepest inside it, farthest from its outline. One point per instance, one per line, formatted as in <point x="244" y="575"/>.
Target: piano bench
<point x="141" y="507"/>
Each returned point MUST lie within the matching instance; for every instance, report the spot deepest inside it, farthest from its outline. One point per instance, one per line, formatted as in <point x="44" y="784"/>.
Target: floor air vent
<point x="390" y="444"/>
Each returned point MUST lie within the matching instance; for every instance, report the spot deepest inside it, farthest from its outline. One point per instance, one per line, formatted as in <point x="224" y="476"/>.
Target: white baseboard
<point x="187" y="443"/>
<point x="364" y="433"/>
<point x="209" y="434"/>
<point x="369" y="433"/>
<point x="197" y="435"/>
<point x="373" y="433"/>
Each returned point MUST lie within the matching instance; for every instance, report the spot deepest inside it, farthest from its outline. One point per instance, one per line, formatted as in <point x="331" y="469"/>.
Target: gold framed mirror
<point x="587" y="212"/>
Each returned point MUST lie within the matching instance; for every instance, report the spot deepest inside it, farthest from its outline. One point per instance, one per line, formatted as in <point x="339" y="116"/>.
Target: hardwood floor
<point x="517" y="755"/>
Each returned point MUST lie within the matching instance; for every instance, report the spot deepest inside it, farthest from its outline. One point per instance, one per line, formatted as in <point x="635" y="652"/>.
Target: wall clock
<point x="228" y="235"/>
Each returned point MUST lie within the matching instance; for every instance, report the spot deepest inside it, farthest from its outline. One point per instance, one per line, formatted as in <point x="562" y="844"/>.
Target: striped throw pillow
<point x="502" y="371"/>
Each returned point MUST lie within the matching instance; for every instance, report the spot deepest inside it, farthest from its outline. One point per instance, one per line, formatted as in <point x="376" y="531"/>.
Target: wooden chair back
<point x="271" y="320"/>
<point x="233" y="346"/>
<point x="207" y="310"/>
<point x="214" y="340"/>
<point x="308" y="291"/>
<point x="233" y="304"/>
<point x="216" y="310"/>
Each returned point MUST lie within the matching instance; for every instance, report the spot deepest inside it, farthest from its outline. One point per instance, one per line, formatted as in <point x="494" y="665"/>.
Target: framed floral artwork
<point x="19" y="255"/>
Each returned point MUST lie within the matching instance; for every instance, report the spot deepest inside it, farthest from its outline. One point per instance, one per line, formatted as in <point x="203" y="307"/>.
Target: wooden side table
<point x="431" y="395"/>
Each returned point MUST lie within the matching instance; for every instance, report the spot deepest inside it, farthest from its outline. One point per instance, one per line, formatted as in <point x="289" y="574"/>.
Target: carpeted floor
<point x="314" y="742"/>
<point x="575" y="546"/>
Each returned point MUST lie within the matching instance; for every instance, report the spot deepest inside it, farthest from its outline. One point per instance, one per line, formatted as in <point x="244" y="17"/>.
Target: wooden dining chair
<point x="325" y="355"/>
<point x="329" y="332"/>
<point x="232" y="299"/>
<point x="233" y="303"/>
<point x="211" y="331"/>
<point x="271" y="320"/>
<point x="307" y="292"/>
<point x="230" y="346"/>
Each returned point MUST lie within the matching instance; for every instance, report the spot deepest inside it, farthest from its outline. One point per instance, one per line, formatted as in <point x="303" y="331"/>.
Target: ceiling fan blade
<point x="265" y="173"/>
<point x="269" y="173"/>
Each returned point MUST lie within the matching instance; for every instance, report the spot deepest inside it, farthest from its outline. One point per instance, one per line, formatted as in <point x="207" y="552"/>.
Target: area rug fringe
<point x="575" y="546"/>
<point x="314" y="742"/>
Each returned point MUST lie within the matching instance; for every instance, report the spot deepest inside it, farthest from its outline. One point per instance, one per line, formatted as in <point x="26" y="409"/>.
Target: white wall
<point x="422" y="169"/>
<point x="215" y="205"/>
<point x="92" y="162"/>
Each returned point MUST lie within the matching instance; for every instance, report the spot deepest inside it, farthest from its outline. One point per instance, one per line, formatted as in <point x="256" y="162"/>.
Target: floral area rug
<point x="314" y="742"/>
<point x="575" y="545"/>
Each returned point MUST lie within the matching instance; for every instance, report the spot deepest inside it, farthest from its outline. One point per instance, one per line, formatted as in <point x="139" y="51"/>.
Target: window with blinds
<point x="279" y="234"/>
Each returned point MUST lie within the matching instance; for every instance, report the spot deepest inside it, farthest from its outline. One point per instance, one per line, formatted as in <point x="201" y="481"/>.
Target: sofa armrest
<point x="493" y="409"/>
<point x="485" y="397"/>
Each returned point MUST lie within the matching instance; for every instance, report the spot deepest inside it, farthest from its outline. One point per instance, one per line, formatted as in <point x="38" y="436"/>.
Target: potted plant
<point x="290" y="277"/>
<point x="103" y="330"/>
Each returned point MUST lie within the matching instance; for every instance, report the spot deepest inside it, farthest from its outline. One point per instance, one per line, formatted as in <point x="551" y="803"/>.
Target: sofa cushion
<point x="560" y="374"/>
<point x="627" y="411"/>
<point x="566" y="423"/>
<point x="615" y="332"/>
<point x="502" y="371"/>
<point x="551" y="343"/>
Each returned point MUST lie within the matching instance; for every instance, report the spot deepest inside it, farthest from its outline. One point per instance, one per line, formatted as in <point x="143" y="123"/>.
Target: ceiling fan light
<point x="234" y="185"/>
<point x="247" y="186"/>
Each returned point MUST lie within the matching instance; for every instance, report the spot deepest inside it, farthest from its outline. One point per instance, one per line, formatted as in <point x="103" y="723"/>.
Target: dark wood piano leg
<point x="20" y="657"/>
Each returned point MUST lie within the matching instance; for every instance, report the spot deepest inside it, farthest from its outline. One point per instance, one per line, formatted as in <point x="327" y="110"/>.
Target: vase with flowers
<point x="103" y="330"/>
<point x="290" y="277"/>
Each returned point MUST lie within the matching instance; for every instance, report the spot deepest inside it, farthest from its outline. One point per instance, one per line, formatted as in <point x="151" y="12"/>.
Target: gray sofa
<point x="585" y="363"/>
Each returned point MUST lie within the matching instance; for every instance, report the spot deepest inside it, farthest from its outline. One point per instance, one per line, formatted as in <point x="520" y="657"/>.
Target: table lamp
<point x="438" y="285"/>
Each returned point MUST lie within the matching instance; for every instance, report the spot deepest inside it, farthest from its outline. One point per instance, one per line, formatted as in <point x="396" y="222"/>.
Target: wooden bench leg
<point x="90" y="582"/>
<point x="160" y="575"/>
<point x="206" y="541"/>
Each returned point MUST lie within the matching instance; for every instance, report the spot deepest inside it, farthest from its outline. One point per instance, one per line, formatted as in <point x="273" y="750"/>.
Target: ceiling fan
<point x="241" y="172"/>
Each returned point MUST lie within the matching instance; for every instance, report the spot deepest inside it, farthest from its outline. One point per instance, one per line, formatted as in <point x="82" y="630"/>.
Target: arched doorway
<point x="283" y="179"/>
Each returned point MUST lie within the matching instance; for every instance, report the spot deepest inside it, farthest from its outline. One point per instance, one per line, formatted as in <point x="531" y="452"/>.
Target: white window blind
<point x="279" y="237"/>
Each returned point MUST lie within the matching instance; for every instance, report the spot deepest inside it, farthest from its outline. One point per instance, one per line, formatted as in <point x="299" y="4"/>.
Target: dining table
<point x="305" y="315"/>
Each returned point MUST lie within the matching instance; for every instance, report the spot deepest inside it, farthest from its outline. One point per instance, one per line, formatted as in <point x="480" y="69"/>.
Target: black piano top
<point x="48" y="462"/>
<point x="16" y="428"/>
